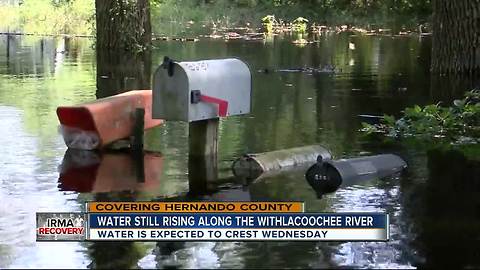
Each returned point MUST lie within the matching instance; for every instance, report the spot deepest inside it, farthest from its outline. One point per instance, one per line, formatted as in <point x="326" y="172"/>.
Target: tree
<point x="123" y="46"/>
<point x="123" y="24"/>
<point x="456" y="38"/>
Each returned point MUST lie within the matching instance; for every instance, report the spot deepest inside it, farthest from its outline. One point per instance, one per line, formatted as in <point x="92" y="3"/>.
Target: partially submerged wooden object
<point x="202" y="156"/>
<point x="98" y="123"/>
<point x="252" y="166"/>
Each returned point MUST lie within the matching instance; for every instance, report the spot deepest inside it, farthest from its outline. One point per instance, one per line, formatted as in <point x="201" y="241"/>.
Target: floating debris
<point x="176" y="39"/>
<point x="254" y="36"/>
<point x="325" y="69"/>
<point x="385" y="31"/>
<point x="232" y="35"/>
<point x="360" y="30"/>
<point x="301" y="41"/>
<point x="265" y="70"/>
<point x="425" y="34"/>
<point x="215" y="36"/>
<point x="319" y="28"/>
<point x="160" y="38"/>
<point x="371" y="119"/>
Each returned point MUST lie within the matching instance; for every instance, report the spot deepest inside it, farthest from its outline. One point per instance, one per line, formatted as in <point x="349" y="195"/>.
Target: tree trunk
<point x="119" y="71"/>
<point x="123" y="46"/>
<point x="456" y="36"/>
<point x="123" y="24"/>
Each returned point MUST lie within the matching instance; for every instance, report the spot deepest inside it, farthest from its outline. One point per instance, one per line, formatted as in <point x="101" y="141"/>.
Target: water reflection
<point x="115" y="255"/>
<point x="120" y="71"/>
<point x="111" y="176"/>
<point x="201" y="171"/>
<point x="26" y="188"/>
<point x="93" y="172"/>
<point x="178" y="254"/>
<point x="382" y="75"/>
<point x="367" y="197"/>
<point x="450" y="210"/>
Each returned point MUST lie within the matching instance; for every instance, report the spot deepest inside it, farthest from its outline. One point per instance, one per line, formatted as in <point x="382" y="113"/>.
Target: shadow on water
<point x="450" y="210"/>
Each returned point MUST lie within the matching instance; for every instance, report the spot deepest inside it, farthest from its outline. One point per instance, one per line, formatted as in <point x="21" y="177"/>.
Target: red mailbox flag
<point x="222" y="104"/>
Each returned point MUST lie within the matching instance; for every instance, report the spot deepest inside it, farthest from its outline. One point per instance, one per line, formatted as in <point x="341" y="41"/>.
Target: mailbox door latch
<point x="195" y="96"/>
<point x="168" y="65"/>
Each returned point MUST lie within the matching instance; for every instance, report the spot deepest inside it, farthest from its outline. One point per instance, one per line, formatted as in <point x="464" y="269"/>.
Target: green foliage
<point x="77" y="16"/>
<point x="300" y="24"/>
<point x="268" y="22"/>
<point x="395" y="14"/>
<point x="48" y="17"/>
<point x="9" y="17"/>
<point x="458" y="123"/>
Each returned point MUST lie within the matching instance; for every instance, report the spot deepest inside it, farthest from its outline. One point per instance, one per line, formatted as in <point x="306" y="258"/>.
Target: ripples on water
<point x="374" y="254"/>
<point x="383" y="75"/>
<point x="28" y="186"/>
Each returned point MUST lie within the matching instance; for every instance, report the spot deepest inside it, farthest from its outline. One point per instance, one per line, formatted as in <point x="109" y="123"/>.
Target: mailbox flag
<point x="222" y="104"/>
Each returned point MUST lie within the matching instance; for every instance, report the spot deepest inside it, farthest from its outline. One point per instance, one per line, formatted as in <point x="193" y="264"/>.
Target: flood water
<point x="434" y="207"/>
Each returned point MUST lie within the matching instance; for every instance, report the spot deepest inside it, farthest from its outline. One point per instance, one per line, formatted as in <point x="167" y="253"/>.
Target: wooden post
<point x="202" y="157"/>
<point x="8" y="49"/>
<point x="203" y="137"/>
<point x="138" y="159"/>
<point x="137" y="144"/>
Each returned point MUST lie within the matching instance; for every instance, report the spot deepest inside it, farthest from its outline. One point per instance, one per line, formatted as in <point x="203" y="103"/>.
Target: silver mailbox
<point x="192" y="91"/>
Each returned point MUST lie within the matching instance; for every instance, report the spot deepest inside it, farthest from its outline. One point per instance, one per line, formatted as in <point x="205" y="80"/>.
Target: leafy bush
<point x="458" y="123"/>
<point x="300" y="24"/>
<point x="268" y="22"/>
<point x="49" y="17"/>
<point x="9" y="18"/>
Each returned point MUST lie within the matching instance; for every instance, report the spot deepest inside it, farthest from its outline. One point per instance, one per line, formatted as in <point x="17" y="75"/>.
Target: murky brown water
<point x="434" y="221"/>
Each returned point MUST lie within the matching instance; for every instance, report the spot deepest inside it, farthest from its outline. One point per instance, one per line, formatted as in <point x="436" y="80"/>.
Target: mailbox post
<point x="200" y="93"/>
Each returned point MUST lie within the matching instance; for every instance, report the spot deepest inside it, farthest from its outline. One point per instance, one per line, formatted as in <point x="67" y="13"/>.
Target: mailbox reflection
<point x="88" y="171"/>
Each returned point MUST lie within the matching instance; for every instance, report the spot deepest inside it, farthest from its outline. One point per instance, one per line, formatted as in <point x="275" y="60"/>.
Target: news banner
<point x="209" y="221"/>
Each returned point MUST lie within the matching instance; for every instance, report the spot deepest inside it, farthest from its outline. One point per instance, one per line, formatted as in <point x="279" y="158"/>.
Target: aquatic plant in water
<point x="268" y="22"/>
<point x="459" y="123"/>
<point x="300" y="24"/>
